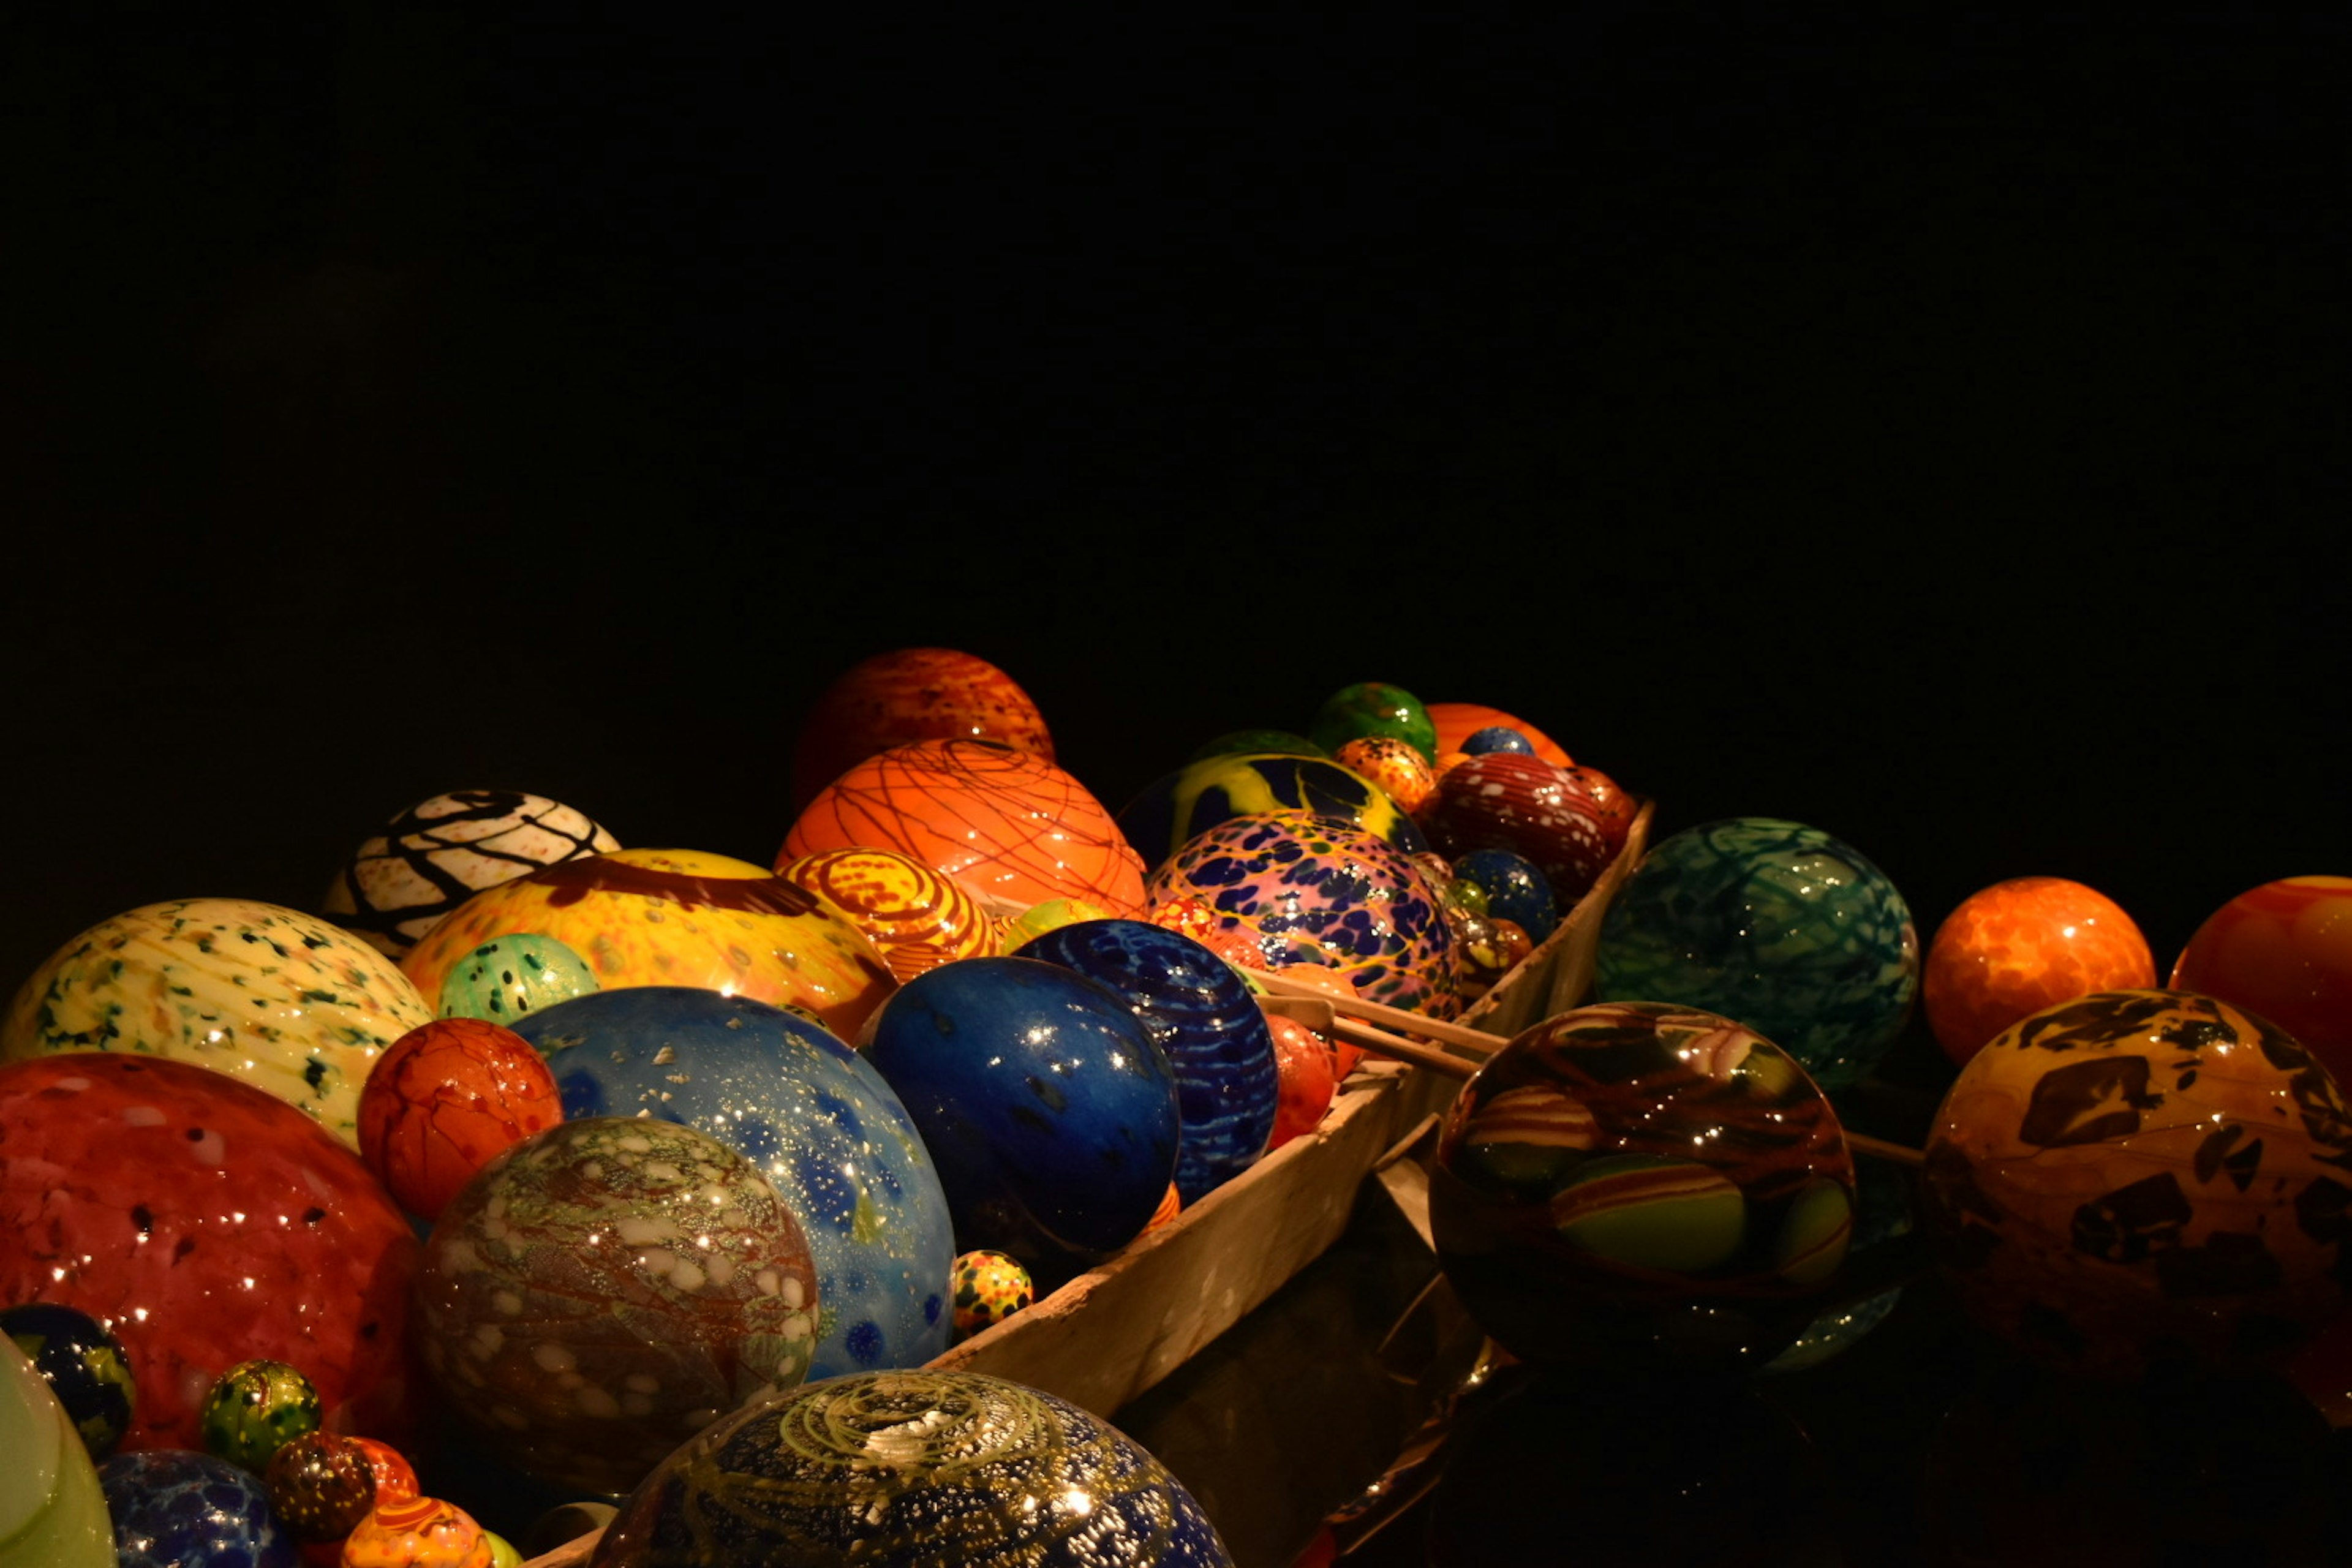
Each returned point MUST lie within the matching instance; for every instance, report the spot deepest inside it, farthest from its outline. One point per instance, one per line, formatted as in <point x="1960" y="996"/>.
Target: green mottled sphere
<point x="1248" y="743"/>
<point x="256" y="1408"/>
<point x="1374" y="708"/>
<point x="506" y="978"/>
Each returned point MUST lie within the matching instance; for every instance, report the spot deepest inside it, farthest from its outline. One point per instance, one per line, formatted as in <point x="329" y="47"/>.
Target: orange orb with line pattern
<point x="1007" y="824"/>
<point x="912" y="694"/>
<point x="2283" y="950"/>
<point x="2019" y="946"/>
<point x="917" y="916"/>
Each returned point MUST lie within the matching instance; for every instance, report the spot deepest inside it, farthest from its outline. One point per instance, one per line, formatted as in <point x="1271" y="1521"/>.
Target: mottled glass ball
<point x="1307" y="889"/>
<point x="173" y="1508"/>
<point x="85" y="1366"/>
<point x="989" y="1287"/>
<point x="1636" y="1186"/>
<point x="607" y="1288"/>
<point x="418" y="1532"/>
<point x="321" y="1484"/>
<point x="254" y="1409"/>
<point x="1779" y="925"/>
<point x="510" y="976"/>
<point x="2138" y="1177"/>
<point x="910" y="1469"/>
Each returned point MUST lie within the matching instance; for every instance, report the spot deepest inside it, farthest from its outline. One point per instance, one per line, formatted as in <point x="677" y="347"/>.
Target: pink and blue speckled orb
<point x="1310" y="890"/>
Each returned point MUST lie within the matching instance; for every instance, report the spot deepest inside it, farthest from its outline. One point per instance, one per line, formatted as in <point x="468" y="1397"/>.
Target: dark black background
<point x="1936" y="435"/>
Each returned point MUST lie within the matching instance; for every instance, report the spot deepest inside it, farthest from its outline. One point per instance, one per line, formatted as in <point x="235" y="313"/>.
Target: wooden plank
<point x="1113" y="1332"/>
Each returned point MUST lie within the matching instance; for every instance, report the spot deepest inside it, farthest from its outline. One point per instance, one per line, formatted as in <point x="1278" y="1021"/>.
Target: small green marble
<point x="502" y="1552"/>
<point x="1374" y="708"/>
<point x="510" y="976"/>
<point x="1246" y="742"/>
<point x="256" y="1408"/>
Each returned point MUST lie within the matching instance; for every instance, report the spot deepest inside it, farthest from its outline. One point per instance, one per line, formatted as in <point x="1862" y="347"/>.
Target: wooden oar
<point x="1476" y="1041"/>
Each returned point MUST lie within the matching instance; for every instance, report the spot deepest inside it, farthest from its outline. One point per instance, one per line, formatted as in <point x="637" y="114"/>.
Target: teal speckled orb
<point x="1774" y="923"/>
<point x="510" y="976"/>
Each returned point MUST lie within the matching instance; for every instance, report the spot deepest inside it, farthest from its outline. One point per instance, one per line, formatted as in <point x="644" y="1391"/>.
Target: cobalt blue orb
<point x="1203" y="1017"/>
<point x="1516" y="888"/>
<point x="85" y="1366"/>
<point x="1171" y="811"/>
<point x="818" y="1119"/>
<point x="173" y="1507"/>
<point x="1051" y="1111"/>
<point x="1496" y="738"/>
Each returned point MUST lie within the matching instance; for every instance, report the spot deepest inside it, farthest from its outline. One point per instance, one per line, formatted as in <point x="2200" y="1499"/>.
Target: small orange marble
<point x="2019" y="946"/>
<point x="1457" y="721"/>
<point x="417" y="1533"/>
<point x="1308" y="1078"/>
<point x="2283" y="950"/>
<point x="1171" y="1206"/>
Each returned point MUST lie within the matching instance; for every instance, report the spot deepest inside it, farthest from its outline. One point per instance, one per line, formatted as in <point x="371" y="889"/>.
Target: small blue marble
<point x="171" y="1507"/>
<point x="1516" y="888"/>
<point x="1050" y="1110"/>
<point x="817" y="1117"/>
<point x="1496" y="738"/>
<point x="1204" y="1015"/>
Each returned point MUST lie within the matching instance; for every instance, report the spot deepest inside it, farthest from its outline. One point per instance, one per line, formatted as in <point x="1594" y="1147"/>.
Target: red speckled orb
<point x="396" y="1478"/>
<point x="2022" y="945"/>
<point x="1618" y="809"/>
<point x="206" y="1223"/>
<point x="1307" y="1078"/>
<point x="1457" y="721"/>
<point x="444" y="1098"/>
<point x="1509" y="800"/>
<point x="1397" y="766"/>
<point x="2283" y="950"/>
<point x="1001" y="822"/>
<point x="912" y="694"/>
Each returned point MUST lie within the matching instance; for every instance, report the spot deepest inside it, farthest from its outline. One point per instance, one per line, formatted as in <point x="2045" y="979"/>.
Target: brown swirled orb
<point x="2136" y="1176"/>
<point x="917" y="918"/>
<point x="606" y="1289"/>
<point x="1004" y="823"/>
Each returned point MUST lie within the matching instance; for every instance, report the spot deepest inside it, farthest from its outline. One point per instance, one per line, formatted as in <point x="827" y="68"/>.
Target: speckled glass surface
<point x="606" y="1289"/>
<point x="1205" y="1019"/>
<point x="1310" y="890"/>
<point x="171" y="1507"/>
<point x="913" y="1469"/>
<point x="276" y="997"/>
<point x="814" y="1116"/>
<point x="1774" y="923"/>
<point x="84" y="1366"/>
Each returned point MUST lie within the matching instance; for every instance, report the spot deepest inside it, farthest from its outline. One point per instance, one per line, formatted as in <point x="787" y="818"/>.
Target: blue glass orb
<point x="818" y="1119"/>
<point x="1516" y="888"/>
<point x="1204" y="1016"/>
<point x="1051" y="1111"/>
<point x="913" y="1469"/>
<point x="1774" y="923"/>
<point x="172" y="1507"/>
<point x="85" y="1366"/>
<point x="1496" y="738"/>
<point x="1170" y="811"/>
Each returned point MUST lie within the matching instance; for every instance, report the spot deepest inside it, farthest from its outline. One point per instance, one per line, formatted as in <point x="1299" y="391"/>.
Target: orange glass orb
<point x="1004" y="823"/>
<point x="2022" y="945"/>
<point x="2284" y="950"/>
<point x="1403" y="774"/>
<point x="1457" y="721"/>
<point x="912" y="694"/>
<point x="678" y="917"/>
<point x="917" y="918"/>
